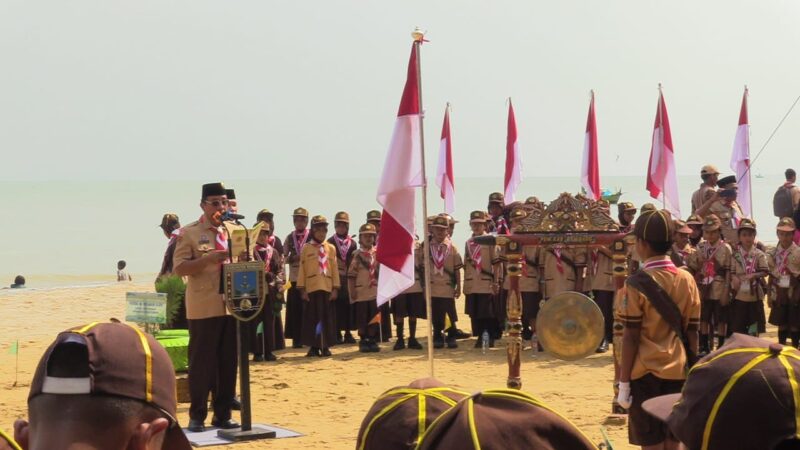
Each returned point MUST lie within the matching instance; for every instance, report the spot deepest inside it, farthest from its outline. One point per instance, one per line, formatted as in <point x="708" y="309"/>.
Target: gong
<point x="570" y="326"/>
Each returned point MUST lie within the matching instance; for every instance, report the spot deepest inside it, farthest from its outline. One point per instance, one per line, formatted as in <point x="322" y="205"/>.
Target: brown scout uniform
<point x="701" y="196"/>
<point x="784" y="292"/>
<point x="443" y="280"/>
<point x="318" y="282"/>
<point x="710" y="264"/>
<point x="364" y="270"/>
<point x="729" y="217"/>
<point x="212" y="330"/>
<point x="374" y="218"/>
<point x="747" y="307"/>
<point x="345" y="247"/>
<point x="600" y="280"/>
<point x="529" y="283"/>
<point x="561" y="276"/>
<point x="411" y="303"/>
<point x="479" y="276"/>
<point x="272" y="337"/>
<point x="292" y="246"/>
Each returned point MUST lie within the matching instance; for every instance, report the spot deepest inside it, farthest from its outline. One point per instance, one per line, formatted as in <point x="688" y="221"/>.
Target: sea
<point x="72" y="233"/>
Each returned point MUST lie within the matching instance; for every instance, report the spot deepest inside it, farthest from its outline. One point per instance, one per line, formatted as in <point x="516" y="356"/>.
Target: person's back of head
<point x="791" y="175"/>
<point x="19" y="281"/>
<point x="121" y="264"/>
<point x="105" y="386"/>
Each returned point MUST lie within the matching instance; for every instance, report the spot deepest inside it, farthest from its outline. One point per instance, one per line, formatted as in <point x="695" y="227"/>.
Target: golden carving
<point x="567" y="214"/>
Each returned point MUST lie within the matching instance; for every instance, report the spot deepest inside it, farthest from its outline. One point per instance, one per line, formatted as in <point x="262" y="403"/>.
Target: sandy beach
<point x="324" y="399"/>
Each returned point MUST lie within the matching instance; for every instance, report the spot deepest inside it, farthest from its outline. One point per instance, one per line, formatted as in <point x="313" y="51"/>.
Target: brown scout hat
<point x="694" y="219"/>
<point x="319" y="220"/>
<point x="742" y="396"/>
<point x="711" y="223"/>
<point x="300" y="212"/>
<point x="626" y="206"/>
<point x="440" y="222"/>
<point x="747" y="224"/>
<point x="654" y="226"/>
<point x="518" y="214"/>
<point x="342" y="216"/>
<point x="477" y="217"/>
<point x="169" y="220"/>
<point x="786" y="224"/>
<point x="394" y="420"/>
<point x="264" y="215"/>
<point x="503" y="419"/>
<point x="647" y="207"/>
<point x="367" y="228"/>
<point x="374" y="215"/>
<point x="497" y="197"/>
<point x="429" y="219"/>
<point x="449" y="218"/>
<point x="681" y="227"/>
<point x="708" y="169"/>
<point x="121" y="361"/>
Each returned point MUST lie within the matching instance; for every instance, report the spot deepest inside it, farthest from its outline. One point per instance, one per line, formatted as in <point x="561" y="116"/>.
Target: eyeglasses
<point x="216" y="203"/>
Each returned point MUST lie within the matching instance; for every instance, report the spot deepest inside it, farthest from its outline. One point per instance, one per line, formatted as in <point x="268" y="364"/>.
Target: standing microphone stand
<point x="246" y="432"/>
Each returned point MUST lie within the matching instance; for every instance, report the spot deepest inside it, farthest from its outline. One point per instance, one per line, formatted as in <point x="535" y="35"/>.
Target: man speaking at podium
<point x="201" y="251"/>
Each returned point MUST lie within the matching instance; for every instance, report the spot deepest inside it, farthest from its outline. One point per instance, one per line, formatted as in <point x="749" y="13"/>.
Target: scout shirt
<point x="729" y="217"/>
<point x="746" y="262"/>
<point x="292" y="247"/>
<point x="599" y="272"/>
<point x="445" y="262"/>
<point x="364" y="269"/>
<point x="273" y="265"/>
<point x="709" y="264"/>
<point x="419" y="269"/>
<point x="681" y="256"/>
<point x="701" y="196"/>
<point x="529" y="278"/>
<point x="318" y="270"/>
<point x="203" y="299"/>
<point x="783" y="263"/>
<point x="479" y="262"/>
<point x="345" y="247"/>
<point x="559" y="276"/>
<point x="661" y="352"/>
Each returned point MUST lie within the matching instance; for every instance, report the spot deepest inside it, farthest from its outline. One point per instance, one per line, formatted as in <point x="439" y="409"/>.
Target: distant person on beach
<point x="171" y="226"/>
<point x="710" y="175"/>
<point x="102" y="386"/>
<point x="787" y="198"/>
<point x="19" y="282"/>
<point x="122" y="274"/>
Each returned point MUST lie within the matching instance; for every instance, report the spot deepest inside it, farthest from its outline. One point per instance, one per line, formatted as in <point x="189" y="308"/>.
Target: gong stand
<point x="567" y="222"/>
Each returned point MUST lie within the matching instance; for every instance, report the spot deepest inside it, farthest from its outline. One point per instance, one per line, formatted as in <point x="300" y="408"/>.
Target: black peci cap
<point x="210" y="189"/>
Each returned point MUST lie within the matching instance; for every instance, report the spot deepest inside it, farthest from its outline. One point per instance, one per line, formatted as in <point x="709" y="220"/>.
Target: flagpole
<point x="418" y="36"/>
<point x="749" y="178"/>
<point x="661" y="143"/>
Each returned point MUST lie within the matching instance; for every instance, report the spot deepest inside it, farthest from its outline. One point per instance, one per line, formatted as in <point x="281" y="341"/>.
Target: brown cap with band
<point x="518" y="214"/>
<point x="492" y="419"/>
<point x="711" y="223"/>
<point x="477" y="217"/>
<point x="264" y="215"/>
<point x="647" y="207"/>
<point x="169" y="221"/>
<point x="743" y="395"/>
<point x="319" y="220"/>
<point x="300" y="212"/>
<point x="342" y="216"/>
<point x="440" y="222"/>
<point x="497" y="197"/>
<point x="626" y="206"/>
<point x="449" y="218"/>
<point x="747" y="224"/>
<point x="694" y="219"/>
<point x="374" y="216"/>
<point x="681" y="227"/>
<point x="401" y="415"/>
<point x="367" y="228"/>
<point x="786" y="224"/>
<point x="654" y="226"/>
<point x="121" y="361"/>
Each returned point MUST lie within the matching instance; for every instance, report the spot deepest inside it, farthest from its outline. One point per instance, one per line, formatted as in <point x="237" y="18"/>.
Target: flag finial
<point x="418" y="34"/>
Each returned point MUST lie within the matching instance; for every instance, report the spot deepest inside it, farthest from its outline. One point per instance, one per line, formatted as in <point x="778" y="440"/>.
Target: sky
<point x="249" y="89"/>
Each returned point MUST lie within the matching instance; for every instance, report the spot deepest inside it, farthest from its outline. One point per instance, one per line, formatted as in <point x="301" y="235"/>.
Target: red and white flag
<point x="444" y="171"/>
<point x="740" y="160"/>
<point x="590" y="172"/>
<point x="402" y="173"/>
<point x="513" y="174"/>
<point x="661" y="179"/>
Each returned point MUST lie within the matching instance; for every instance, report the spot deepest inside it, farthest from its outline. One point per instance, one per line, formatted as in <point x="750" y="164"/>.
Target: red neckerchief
<point x="439" y="254"/>
<point x="501" y="227"/>
<point x="475" y="254"/>
<point x="709" y="268"/>
<point x="220" y="240"/>
<point x="665" y="264"/>
<point x="271" y="240"/>
<point x="747" y="259"/>
<point x="559" y="263"/>
<point x="264" y="253"/>
<point x="372" y="265"/>
<point x="781" y="259"/>
<point x="300" y="243"/>
<point x="343" y="245"/>
<point x="322" y="257"/>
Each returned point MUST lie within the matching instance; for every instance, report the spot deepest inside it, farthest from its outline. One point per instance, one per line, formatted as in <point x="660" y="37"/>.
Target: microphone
<point x="230" y="217"/>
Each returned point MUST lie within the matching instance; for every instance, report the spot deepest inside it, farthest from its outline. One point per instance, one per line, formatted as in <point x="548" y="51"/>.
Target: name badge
<point x="783" y="281"/>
